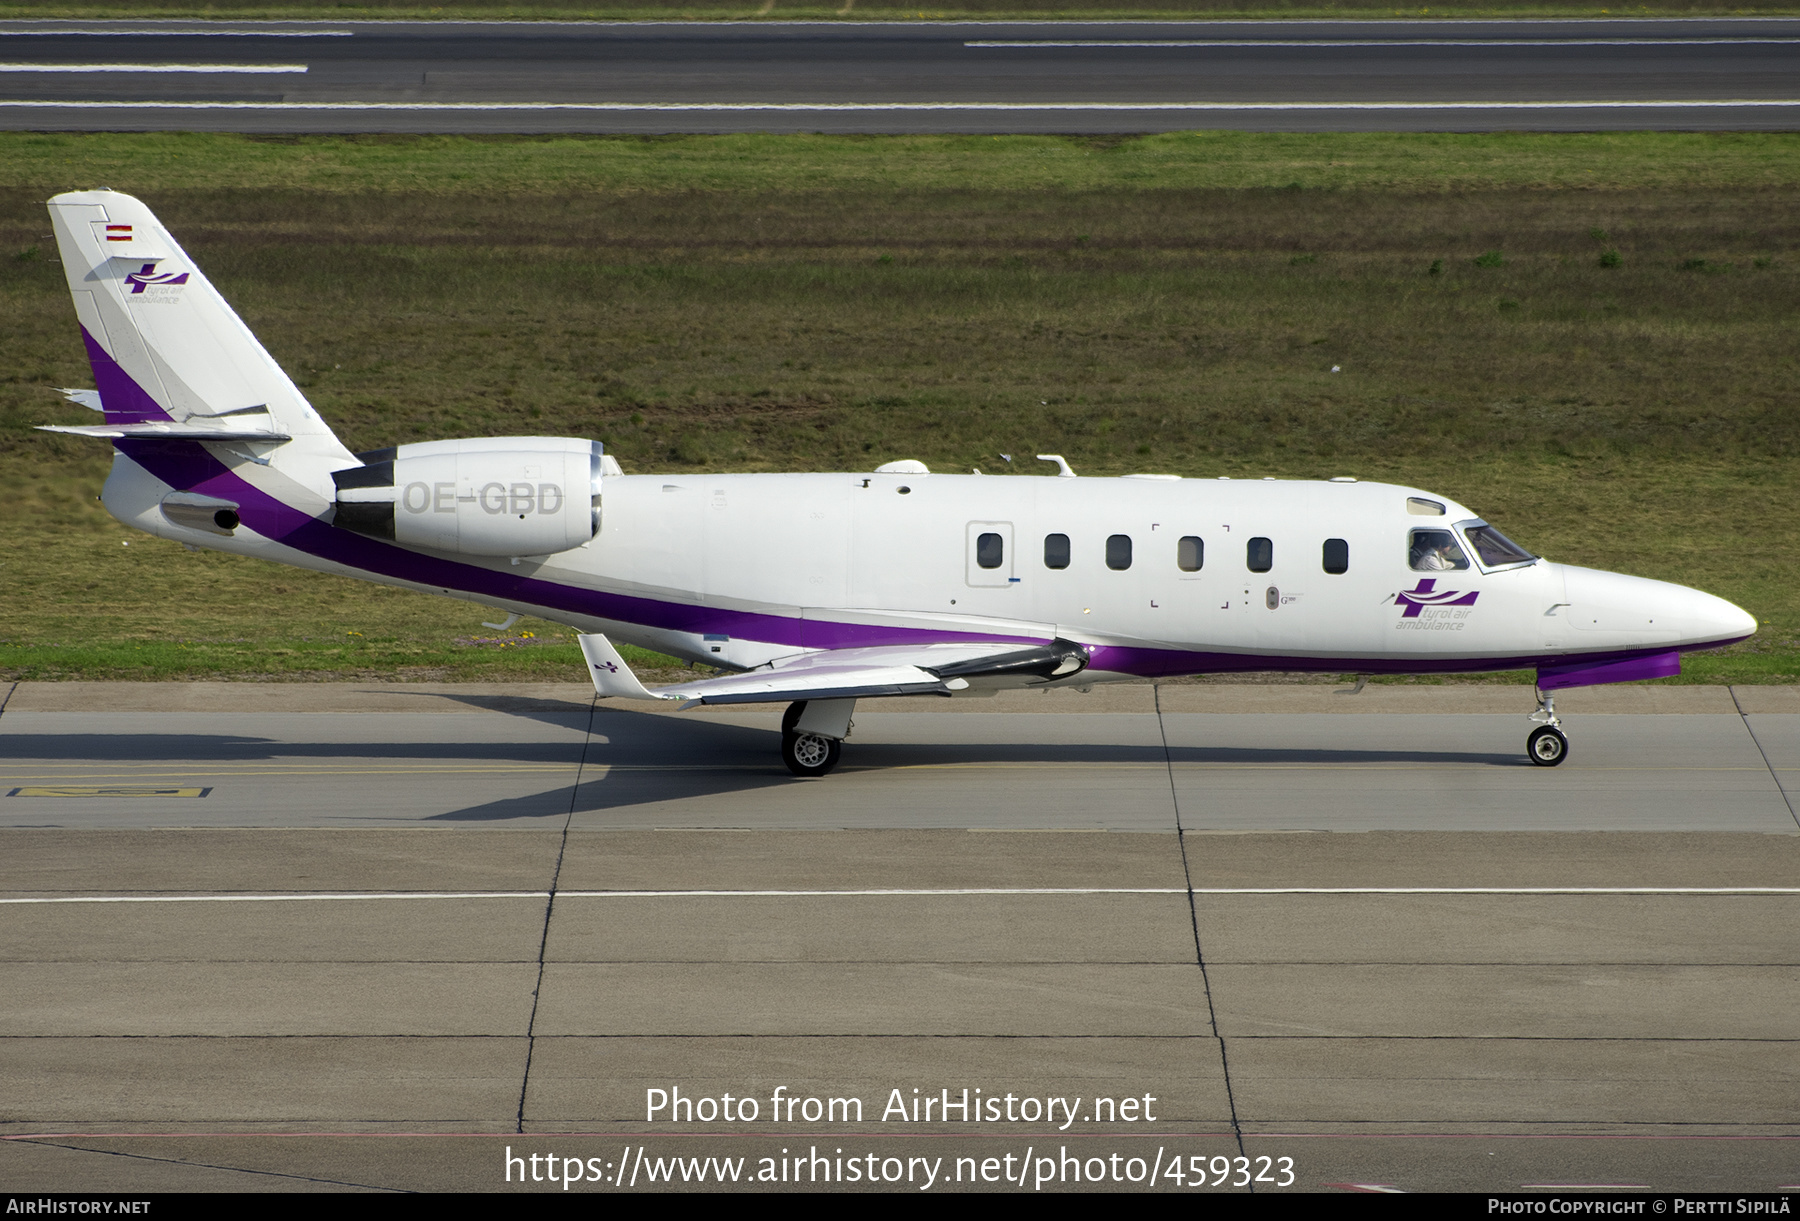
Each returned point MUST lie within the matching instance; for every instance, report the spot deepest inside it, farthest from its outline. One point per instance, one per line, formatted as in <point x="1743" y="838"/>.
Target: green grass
<point x="779" y="303"/>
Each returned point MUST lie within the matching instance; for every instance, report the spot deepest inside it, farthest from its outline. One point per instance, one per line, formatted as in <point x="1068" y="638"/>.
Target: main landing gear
<point x="807" y="754"/>
<point x="1547" y="746"/>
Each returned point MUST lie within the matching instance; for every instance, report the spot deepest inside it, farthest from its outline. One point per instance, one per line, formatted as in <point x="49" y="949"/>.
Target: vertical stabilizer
<point x="163" y="342"/>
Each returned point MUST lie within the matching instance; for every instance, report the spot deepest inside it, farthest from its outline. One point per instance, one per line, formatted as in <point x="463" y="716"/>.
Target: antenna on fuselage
<point x="1062" y="465"/>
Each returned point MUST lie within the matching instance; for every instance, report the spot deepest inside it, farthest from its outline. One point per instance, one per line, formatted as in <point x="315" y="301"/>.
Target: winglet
<point x="610" y="673"/>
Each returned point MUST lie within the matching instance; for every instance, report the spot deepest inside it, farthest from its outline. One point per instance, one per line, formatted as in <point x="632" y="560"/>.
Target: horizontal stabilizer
<point x="87" y="398"/>
<point x="161" y="430"/>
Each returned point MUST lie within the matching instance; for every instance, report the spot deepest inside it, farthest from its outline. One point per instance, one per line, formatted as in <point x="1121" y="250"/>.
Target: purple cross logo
<point x="608" y="666"/>
<point x="146" y="276"/>
<point x="1426" y="593"/>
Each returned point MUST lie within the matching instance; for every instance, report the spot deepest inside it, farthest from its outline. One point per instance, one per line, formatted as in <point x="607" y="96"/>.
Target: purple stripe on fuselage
<point x="187" y="465"/>
<point x="1171" y="663"/>
<point x="1592" y="672"/>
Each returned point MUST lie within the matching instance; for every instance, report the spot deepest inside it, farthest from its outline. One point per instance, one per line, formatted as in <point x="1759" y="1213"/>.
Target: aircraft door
<point x="990" y="558"/>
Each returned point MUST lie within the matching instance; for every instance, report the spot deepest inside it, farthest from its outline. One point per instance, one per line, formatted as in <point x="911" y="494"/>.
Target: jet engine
<point x="493" y="496"/>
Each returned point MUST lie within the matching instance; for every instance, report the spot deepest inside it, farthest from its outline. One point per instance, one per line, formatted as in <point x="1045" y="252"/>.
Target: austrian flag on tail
<point x="118" y="233"/>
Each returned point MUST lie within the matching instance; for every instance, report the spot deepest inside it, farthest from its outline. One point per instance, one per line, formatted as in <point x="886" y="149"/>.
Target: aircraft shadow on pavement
<point x="634" y="758"/>
<point x="628" y="740"/>
<point x="650" y="758"/>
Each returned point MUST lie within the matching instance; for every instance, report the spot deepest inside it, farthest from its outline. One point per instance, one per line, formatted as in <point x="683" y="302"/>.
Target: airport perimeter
<point x="293" y="936"/>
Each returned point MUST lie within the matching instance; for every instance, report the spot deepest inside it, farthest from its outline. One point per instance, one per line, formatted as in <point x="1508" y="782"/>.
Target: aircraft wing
<point x="838" y="674"/>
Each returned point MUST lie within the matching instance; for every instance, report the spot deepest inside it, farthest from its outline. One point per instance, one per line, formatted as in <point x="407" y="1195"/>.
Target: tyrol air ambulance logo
<point x="148" y="286"/>
<point x="1430" y="609"/>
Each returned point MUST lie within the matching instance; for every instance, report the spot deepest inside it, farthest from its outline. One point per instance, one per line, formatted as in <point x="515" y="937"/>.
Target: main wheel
<point x="1546" y="746"/>
<point x="810" y="754"/>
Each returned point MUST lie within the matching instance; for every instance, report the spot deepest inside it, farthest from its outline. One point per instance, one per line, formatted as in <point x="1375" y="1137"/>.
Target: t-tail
<point x="170" y="357"/>
<point x="217" y="447"/>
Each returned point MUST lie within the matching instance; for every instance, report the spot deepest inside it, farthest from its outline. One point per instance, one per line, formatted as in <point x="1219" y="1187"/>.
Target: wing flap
<point x="846" y="674"/>
<point x="846" y="682"/>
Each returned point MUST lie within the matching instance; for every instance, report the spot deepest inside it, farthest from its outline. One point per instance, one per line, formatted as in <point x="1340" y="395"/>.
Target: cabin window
<point x="1436" y="551"/>
<point x="1337" y="556"/>
<point x="1190" y="554"/>
<point x="1118" y="552"/>
<point x="1259" y="554"/>
<point x="1494" y="548"/>
<point x="1056" y="551"/>
<point x="990" y="551"/>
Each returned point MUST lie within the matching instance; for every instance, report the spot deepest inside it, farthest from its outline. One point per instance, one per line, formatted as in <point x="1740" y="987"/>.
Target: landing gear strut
<point x="806" y="754"/>
<point x="1547" y="746"/>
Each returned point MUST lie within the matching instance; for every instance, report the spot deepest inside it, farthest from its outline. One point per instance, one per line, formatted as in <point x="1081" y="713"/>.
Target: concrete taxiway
<point x="404" y="930"/>
<point x="1717" y="73"/>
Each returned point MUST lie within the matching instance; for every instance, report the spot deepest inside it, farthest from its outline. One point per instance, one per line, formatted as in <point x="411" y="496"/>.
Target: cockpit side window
<point x="1494" y="548"/>
<point x="1436" y="551"/>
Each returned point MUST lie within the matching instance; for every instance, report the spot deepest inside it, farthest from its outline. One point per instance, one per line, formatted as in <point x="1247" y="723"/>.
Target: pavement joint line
<point x="1187" y="877"/>
<point x="288" y="1134"/>
<point x="562" y="848"/>
<point x="178" y="1161"/>
<point x="1767" y="762"/>
<point x="186" y="25"/>
<point x="913" y="107"/>
<point x="927" y="893"/>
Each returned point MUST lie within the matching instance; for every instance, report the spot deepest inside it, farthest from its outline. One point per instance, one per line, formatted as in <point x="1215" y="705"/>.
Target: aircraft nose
<point x="1698" y="617"/>
<point x="1728" y="621"/>
<point x="1614" y="603"/>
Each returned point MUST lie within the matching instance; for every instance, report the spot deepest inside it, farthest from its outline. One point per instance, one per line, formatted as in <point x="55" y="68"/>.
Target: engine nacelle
<point x="494" y="496"/>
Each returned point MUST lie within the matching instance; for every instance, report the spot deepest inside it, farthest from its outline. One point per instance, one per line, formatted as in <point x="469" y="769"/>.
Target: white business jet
<point x="819" y="590"/>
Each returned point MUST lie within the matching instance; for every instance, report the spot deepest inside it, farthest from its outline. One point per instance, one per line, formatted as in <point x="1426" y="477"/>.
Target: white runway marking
<point x="257" y="69"/>
<point x="173" y="33"/>
<point x="1333" y="43"/>
<point x="953" y="892"/>
<point x="907" y="107"/>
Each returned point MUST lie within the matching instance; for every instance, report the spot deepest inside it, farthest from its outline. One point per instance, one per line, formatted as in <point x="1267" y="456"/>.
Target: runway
<point x="335" y="937"/>
<point x="977" y="77"/>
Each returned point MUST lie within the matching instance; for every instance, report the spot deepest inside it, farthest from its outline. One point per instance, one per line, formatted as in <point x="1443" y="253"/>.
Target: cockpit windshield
<point x="1494" y="548"/>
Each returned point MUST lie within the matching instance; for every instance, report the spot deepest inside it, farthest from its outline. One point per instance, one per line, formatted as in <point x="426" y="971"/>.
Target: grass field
<point x="1587" y="338"/>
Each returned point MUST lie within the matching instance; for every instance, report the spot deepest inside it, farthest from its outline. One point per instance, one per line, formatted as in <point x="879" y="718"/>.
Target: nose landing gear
<point x="1546" y="746"/>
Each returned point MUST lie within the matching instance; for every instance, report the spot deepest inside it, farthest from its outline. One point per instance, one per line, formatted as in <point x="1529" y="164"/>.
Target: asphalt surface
<point x="318" y="939"/>
<point x="1708" y="73"/>
<point x="1312" y="760"/>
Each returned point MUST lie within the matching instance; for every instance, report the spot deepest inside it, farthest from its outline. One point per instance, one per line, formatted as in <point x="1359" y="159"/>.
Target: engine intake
<point x="490" y="496"/>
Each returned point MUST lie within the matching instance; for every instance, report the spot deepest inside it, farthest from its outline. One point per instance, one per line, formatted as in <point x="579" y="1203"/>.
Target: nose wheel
<point x="806" y="754"/>
<point x="1547" y="745"/>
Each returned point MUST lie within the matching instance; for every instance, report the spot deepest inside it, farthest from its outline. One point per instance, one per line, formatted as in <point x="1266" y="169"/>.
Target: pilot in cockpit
<point x="1437" y="551"/>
